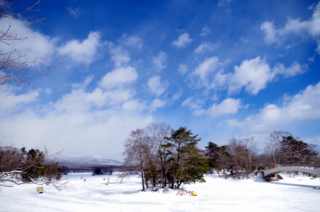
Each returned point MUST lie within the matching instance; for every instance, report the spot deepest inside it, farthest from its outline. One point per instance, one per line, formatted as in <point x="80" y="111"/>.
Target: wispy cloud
<point x="294" y="26"/>
<point x="205" y="68"/>
<point x="193" y="104"/>
<point x="160" y="61"/>
<point x="132" y="41"/>
<point x="156" y="86"/>
<point x="157" y="103"/>
<point x="119" y="55"/>
<point x="182" y="69"/>
<point x="205" y="31"/>
<point x="224" y="3"/>
<point x="74" y="12"/>
<point x="204" y="47"/>
<point x="226" y="107"/>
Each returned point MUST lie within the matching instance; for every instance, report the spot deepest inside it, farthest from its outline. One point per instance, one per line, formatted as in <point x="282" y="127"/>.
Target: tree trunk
<point x="142" y="179"/>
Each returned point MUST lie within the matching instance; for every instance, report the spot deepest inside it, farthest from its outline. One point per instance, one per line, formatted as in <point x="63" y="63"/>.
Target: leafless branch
<point x="18" y="67"/>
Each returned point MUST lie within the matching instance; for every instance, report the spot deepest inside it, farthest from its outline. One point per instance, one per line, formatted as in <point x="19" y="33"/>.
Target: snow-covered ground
<point x="217" y="194"/>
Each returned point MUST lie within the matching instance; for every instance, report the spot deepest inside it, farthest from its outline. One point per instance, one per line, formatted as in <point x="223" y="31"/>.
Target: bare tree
<point x="244" y="153"/>
<point x="135" y="152"/>
<point x="17" y="67"/>
<point x="273" y="148"/>
<point x="223" y="160"/>
<point x="157" y="132"/>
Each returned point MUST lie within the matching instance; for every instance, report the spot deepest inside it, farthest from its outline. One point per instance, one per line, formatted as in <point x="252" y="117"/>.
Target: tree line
<point x="165" y="157"/>
<point x="102" y="170"/>
<point x="21" y="166"/>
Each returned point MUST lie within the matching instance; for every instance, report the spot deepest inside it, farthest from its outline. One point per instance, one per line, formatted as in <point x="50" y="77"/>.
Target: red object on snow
<point x="273" y="166"/>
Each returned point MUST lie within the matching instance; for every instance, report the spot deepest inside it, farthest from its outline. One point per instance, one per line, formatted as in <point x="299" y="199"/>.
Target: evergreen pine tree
<point x="188" y="162"/>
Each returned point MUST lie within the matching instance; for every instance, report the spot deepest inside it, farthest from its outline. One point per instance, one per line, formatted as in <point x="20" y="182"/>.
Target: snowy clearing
<point x="217" y="194"/>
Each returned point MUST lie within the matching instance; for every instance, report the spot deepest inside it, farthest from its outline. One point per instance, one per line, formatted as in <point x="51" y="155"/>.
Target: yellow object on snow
<point x="40" y="189"/>
<point x="194" y="193"/>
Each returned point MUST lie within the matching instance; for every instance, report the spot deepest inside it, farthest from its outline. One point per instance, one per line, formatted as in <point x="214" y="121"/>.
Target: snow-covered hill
<point x="93" y="160"/>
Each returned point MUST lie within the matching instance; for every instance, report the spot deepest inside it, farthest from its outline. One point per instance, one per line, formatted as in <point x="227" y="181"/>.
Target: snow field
<point x="217" y="194"/>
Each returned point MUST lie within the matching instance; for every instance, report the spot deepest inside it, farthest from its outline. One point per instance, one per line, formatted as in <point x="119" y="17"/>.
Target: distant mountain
<point x="93" y="160"/>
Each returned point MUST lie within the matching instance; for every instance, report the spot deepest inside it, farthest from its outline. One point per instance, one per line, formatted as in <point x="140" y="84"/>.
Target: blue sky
<point x="223" y="69"/>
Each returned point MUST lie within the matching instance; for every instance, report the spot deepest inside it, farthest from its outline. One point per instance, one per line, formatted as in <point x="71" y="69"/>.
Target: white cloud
<point x="311" y="27"/>
<point x="205" y="31"/>
<point x="182" y="41"/>
<point x="11" y="102"/>
<point x="80" y="122"/>
<point x="253" y="75"/>
<point x="206" y="47"/>
<point x="182" y="69"/>
<point x="132" y="41"/>
<point x="119" y="77"/>
<point x="79" y="100"/>
<point x="160" y="61"/>
<point x="36" y="45"/>
<point x="269" y="29"/>
<point x="157" y="103"/>
<point x="82" y="51"/>
<point x="221" y="80"/>
<point x="74" y="12"/>
<point x="303" y="106"/>
<point x="82" y="133"/>
<point x="315" y="21"/>
<point x="227" y="106"/>
<point x="134" y="105"/>
<point x="118" y="55"/>
<point x="156" y="86"/>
